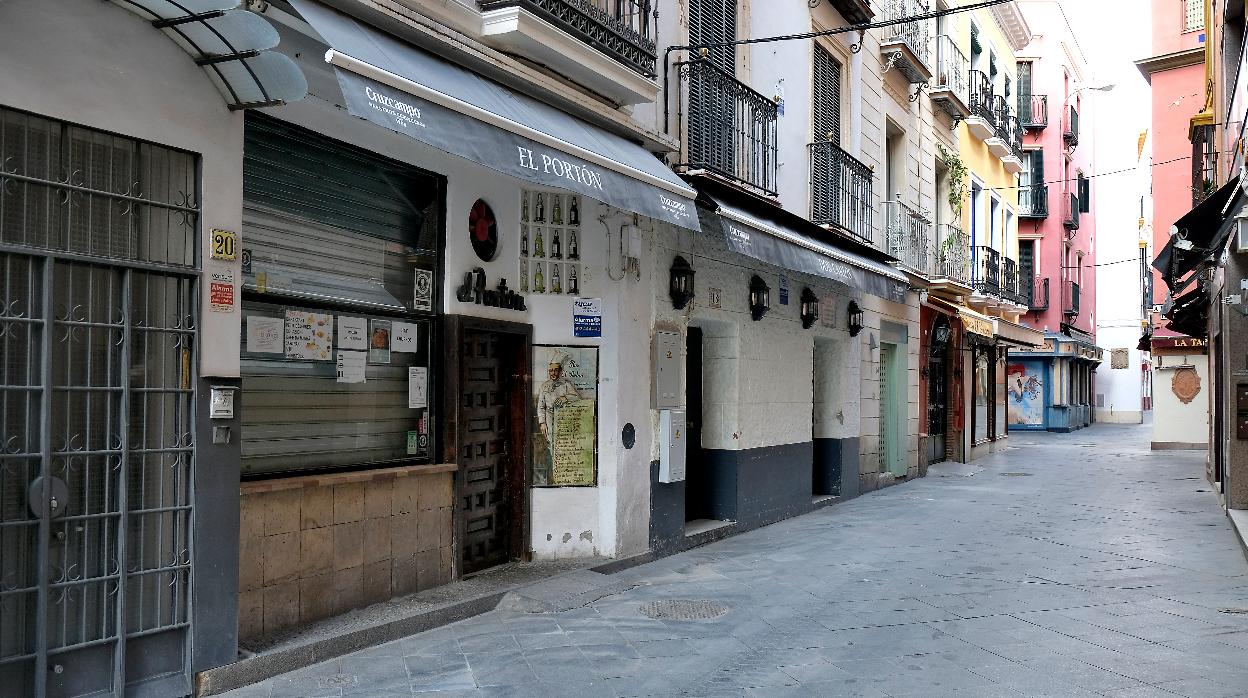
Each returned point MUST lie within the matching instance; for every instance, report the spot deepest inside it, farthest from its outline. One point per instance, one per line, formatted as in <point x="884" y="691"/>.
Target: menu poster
<point x="351" y="366"/>
<point x="403" y="339"/>
<point x="379" y="341"/>
<point x="566" y="405"/>
<point x="352" y="333"/>
<point x="264" y="334"/>
<point x="417" y="391"/>
<point x="309" y="336"/>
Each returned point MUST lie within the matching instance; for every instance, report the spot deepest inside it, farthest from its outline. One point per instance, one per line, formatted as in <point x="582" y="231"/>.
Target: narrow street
<point x="1070" y="565"/>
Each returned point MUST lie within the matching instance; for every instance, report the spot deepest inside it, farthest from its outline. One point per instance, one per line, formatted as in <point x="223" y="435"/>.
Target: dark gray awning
<point x="232" y="45"/>
<point x="1199" y="235"/>
<point x="406" y="89"/>
<point x="776" y="245"/>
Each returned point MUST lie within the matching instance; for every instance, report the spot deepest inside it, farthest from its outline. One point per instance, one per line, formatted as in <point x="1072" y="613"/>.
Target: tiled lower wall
<point x="325" y="546"/>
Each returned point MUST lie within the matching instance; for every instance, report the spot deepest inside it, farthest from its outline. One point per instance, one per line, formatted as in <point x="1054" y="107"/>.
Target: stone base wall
<point x="315" y="546"/>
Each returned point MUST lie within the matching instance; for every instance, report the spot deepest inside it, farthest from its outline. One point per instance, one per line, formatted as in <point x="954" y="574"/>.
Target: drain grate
<point x="1015" y="474"/>
<point x="683" y="609"/>
<point x="1234" y="611"/>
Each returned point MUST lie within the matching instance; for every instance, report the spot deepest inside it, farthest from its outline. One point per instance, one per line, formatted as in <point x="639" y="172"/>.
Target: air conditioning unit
<point x="1241" y="235"/>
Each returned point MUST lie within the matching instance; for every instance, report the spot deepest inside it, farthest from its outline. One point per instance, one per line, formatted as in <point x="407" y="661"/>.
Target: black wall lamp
<point x="760" y="298"/>
<point x="810" y="308"/>
<point x="855" y="319"/>
<point x="681" y="283"/>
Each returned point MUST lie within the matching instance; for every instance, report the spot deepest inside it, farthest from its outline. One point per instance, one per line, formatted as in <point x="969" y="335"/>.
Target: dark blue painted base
<point x="755" y="487"/>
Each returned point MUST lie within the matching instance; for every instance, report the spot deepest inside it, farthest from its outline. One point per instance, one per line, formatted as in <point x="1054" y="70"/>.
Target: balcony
<point x="982" y="122"/>
<point x="1204" y="163"/>
<point x="1070" y="127"/>
<point x="854" y="11"/>
<point x="1033" y="201"/>
<point x="952" y="254"/>
<point x="1070" y="217"/>
<point x="1010" y="288"/>
<point x="616" y="56"/>
<point x="1039" y="300"/>
<point x="986" y="270"/>
<point x="906" y="44"/>
<point x="1070" y="298"/>
<point x="999" y="142"/>
<point x="729" y="129"/>
<point x="949" y="89"/>
<point x="908" y="236"/>
<point x="1034" y="112"/>
<point x="840" y="191"/>
<point x="1011" y="134"/>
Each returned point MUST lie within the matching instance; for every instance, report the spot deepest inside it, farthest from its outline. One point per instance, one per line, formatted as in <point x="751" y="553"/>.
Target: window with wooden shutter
<point x="714" y="22"/>
<point x="1085" y="194"/>
<point x="1037" y="166"/>
<point x="1023" y="69"/>
<point x="826" y="97"/>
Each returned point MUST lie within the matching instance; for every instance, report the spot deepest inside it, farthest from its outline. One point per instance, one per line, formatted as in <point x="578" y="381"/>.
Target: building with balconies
<point x="1056" y="254"/>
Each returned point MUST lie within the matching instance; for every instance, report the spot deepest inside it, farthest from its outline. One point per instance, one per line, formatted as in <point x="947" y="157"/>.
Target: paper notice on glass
<point x="417" y="398"/>
<point x="352" y="333"/>
<point x="309" y="336"/>
<point x="264" y="334"/>
<point x="403" y="338"/>
<point x="351" y="366"/>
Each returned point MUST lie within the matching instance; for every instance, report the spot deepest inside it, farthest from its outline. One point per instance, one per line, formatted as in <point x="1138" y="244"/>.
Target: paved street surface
<point x="1072" y="565"/>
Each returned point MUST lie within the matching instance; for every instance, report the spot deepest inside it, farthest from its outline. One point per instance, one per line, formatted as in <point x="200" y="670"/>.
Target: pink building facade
<point x="1056" y="230"/>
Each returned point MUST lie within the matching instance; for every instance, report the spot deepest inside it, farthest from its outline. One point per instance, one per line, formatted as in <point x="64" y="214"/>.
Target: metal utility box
<point x="667" y="369"/>
<point x="671" y="446"/>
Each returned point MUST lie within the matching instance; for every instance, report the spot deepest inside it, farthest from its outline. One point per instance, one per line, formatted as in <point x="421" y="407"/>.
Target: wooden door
<point x="488" y="462"/>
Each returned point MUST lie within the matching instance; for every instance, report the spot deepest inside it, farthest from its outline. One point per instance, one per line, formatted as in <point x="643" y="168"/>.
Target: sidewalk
<point x="1069" y="565"/>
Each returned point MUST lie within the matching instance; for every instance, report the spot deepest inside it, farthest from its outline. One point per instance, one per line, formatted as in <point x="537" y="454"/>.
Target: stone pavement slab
<point x="1103" y="570"/>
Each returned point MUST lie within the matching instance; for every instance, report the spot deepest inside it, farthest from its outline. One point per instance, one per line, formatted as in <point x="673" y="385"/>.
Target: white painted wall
<point x="1184" y="424"/>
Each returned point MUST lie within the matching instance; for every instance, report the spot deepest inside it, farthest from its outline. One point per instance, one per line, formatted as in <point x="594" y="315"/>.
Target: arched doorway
<point x="938" y="390"/>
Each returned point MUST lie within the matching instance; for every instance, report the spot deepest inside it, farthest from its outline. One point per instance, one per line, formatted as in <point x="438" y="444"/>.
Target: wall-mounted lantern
<point x="760" y="298"/>
<point x="681" y="283"/>
<point x="941" y="334"/>
<point x="810" y="308"/>
<point x="854" y="323"/>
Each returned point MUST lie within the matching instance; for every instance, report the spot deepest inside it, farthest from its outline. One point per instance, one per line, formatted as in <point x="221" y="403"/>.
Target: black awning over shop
<point x="414" y="92"/>
<point x="1190" y="314"/>
<point x="769" y="234"/>
<point x="1199" y="235"/>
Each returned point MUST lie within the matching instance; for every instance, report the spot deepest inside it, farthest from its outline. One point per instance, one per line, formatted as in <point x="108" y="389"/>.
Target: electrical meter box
<point x="671" y="446"/>
<point x="667" y="367"/>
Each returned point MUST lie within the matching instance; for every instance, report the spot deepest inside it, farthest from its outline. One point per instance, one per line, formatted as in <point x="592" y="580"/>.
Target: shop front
<point x="1051" y="386"/>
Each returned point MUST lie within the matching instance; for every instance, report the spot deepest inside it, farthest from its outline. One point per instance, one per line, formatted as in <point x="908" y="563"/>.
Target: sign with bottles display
<point x="550" y="244"/>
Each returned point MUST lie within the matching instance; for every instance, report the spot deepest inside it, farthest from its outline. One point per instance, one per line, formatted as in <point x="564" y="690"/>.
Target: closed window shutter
<point x="713" y="22"/>
<point x="1037" y="167"/>
<point x="1085" y="195"/>
<point x="1024" y="91"/>
<point x="827" y="97"/>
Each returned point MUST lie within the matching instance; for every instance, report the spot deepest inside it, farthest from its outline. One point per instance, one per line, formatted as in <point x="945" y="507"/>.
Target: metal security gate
<point x="98" y="322"/>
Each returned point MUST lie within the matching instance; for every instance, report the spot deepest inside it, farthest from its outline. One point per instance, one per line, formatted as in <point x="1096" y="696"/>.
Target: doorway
<point x="938" y="391"/>
<point x="492" y="415"/>
<point x="892" y="456"/>
<point x="826" y="414"/>
<point x="698" y="501"/>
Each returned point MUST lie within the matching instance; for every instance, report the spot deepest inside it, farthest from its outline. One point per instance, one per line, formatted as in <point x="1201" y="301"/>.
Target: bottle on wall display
<point x="557" y="217"/>
<point x="574" y="213"/>
<point x="572" y="281"/>
<point x="539" y="249"/>
<point x="524" y="275"/>
<point x="524" y="207"/>
<point x="524" y="240"/>
<point x="555" y="285"/>
<point x="554" y="244"/>
<point x="539" y="280"/>
<point x="572" y="252"/>
<point x="541" y="210"/>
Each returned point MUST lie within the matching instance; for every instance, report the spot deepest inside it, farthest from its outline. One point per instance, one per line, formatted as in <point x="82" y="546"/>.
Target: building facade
<point x="1057" y="238"/>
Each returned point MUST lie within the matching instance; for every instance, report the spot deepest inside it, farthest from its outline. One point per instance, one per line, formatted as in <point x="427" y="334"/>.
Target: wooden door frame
<point x="454" y="327"/>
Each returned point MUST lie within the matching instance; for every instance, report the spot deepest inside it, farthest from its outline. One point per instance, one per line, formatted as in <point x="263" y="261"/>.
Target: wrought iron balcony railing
<point x="1070" y="218"/>
<point x="1034" y="112"/>
<point x="729" y="128"/>
<point x="951" y="69"/>
<point x="953" y="251"/>
<point x="840" y="190"/>
<point x="1000" y="110"/>
<point x="1039" y="295"/>
<point x="1070" y="126"/>
<point x="981" y="96"/>
<point x="1204" y="163"/>
<point x="908" y="236"/>
<point x="621" y="29"/>
<point x="1010" y="289"/>
<point x="1033" y="201"/>
<point x="987" y="270"/>
<point x="1070" y="298"/>
<point x="913" y="34"/>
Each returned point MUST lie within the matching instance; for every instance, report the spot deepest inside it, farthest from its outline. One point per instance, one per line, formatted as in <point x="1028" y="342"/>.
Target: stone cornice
<point x="1170" y="61"/>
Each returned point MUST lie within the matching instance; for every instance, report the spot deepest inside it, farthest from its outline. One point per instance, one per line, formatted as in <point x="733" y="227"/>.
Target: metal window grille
<point x="1193" y="15"/>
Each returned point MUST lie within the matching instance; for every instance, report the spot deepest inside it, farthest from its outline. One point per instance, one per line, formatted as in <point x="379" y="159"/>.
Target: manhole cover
<point x="1234" y="611"/>
<point x="1015" y="474"/>
<point x="683" y="609"/>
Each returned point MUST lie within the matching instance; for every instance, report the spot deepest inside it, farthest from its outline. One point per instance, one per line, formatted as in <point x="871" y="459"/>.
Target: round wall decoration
<point x="483" y="230"/>
<point x="1185" y="384"/>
